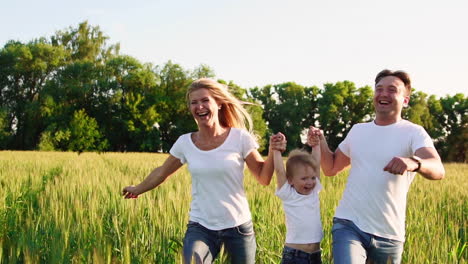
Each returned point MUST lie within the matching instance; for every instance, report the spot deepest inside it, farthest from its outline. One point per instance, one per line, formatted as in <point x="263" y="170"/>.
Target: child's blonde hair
<point x="302" y="157"/>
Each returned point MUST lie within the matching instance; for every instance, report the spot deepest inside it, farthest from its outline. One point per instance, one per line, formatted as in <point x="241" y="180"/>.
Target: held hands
<point x="314" y="136"/>
<point x="400" y="165"/>
<point x="129" y="192"/>
<point x="278" y="142"/>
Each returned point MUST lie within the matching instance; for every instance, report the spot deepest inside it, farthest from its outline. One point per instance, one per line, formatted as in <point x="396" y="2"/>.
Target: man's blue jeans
<point x="202" y="245"/>
<point x="353" y="246"/>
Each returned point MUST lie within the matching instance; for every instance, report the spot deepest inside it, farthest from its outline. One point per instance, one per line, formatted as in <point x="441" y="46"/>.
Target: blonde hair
<point x="297" y="157"/>
<point x="232" y="113"/>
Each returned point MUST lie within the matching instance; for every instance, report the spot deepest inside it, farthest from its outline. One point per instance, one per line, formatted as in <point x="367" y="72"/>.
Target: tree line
<point x="74" y="91"/>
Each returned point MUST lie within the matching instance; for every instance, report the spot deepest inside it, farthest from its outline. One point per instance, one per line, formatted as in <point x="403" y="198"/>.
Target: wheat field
<point x="66" y="208"/>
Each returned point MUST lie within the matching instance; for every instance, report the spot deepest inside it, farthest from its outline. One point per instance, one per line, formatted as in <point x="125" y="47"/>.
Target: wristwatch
<point x="418" y="161"/>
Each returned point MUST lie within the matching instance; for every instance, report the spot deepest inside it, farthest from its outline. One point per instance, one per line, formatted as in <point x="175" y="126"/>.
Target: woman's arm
<point x="154" y="179"/>
<point x="263" y="169"/>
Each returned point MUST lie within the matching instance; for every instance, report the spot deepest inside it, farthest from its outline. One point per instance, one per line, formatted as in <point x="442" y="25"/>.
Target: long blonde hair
<point x="232" y="113"/>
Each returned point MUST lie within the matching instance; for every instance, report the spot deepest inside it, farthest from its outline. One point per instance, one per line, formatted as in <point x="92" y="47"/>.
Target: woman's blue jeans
<point x="353" y="246"/>
<point x="202" y="245"/>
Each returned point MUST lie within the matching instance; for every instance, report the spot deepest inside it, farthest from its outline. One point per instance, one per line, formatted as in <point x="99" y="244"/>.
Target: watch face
<point x="418" y="161"/>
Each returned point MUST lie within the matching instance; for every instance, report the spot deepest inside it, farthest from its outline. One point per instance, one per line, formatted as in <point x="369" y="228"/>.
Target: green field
<point x="67" y="208"/>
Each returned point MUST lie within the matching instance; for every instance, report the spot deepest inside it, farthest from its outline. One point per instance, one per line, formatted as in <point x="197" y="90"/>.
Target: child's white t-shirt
<point x="303" y="224"/>
<point x="218" y="197"/>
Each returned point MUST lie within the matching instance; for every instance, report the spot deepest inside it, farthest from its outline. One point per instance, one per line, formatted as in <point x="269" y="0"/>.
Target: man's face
<point x="390" y="96"/>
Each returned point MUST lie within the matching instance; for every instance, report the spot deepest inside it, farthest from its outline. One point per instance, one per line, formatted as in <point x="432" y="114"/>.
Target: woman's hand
<point x="278" y="142"/>
<point x="129" y="192"/>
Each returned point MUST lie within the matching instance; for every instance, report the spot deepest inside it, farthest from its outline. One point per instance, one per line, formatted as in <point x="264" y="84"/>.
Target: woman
<point x="215" y="155"/>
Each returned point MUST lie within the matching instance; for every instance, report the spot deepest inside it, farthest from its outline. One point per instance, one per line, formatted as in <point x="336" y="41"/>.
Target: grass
<point x="67" y="208"/>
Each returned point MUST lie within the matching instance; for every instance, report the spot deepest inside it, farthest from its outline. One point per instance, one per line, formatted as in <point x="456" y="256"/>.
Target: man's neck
<point x="386" y="120"/>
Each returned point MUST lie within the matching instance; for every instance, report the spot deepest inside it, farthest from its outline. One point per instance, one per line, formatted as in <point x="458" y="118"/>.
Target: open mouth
<point x="202" y="114"/>
<point x="384" y="102"/>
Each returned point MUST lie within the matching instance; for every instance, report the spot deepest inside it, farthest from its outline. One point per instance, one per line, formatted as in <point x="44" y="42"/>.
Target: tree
<point x="455" y="122"/>
<point x="255" y="110"/>
<point x="418" y="111"/>
<point x="85" y="43"/>
<point x="130" y="115"/>
<point x="4" y="129"/>
<point x="25" y="69"/>
<point x="340" y="107"/>
<point x="84" y="133"/>
<point x="288" y="108"/>
<point x="171" y="103"/>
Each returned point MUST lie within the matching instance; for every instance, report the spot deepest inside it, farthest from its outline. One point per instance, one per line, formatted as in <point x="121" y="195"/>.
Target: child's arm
<point x="279" y="165"/>
<point x="313" y="140"/>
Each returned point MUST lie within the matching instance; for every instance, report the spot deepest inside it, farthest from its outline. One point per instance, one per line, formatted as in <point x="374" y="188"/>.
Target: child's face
<point x="303" y="179"/>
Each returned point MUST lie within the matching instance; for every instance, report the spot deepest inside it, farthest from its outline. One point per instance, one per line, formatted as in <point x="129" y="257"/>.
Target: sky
<point x="260" y="42"/>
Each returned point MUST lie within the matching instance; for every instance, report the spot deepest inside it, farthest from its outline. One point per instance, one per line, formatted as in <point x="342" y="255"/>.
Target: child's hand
<point x="313" y="136"/>
<point x="278" y="142"/>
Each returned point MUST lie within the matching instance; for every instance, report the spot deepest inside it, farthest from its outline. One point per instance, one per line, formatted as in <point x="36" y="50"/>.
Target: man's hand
<point x="400" y="165"/>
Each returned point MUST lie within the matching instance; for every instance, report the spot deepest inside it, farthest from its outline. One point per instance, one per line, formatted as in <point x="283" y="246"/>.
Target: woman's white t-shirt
<point x="218" y="197"/>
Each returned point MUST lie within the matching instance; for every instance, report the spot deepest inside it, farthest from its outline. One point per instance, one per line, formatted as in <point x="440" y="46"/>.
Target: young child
<point x="298" y="187"/>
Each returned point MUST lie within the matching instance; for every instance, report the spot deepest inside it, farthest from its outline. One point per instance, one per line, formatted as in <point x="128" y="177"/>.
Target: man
<point x="384" y="155"/>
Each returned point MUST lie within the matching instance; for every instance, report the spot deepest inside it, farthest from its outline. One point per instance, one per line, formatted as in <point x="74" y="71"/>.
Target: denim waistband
<point x="302" y="254"/>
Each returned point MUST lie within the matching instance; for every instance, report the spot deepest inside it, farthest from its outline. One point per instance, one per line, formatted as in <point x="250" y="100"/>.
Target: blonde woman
<point x="215" y="156"/>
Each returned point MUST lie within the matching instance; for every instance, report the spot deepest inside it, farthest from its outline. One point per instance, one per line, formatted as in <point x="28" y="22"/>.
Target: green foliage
<point x="255" y="110"/>
<point x="288" y="108"/>
<point x="25" y="69"/>
<point x="340" y="107"/>
<point x="5" y="135"/>
<point x="85" y="43"/>
<point x="142" y="107"/>
<point x="84" y="133"/>
<point x="46" y="142"/>
<point x="454" y="119"/>
<point x="171" y="103"/>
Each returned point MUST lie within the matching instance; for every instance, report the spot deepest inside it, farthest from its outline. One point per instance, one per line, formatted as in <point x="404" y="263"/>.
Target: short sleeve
<point x="177" y="150"/>
<point x="248" y="143"/>
<point x="284" y="192"/>
<point x="421" y="140"/>
<point x="344" y="146"/>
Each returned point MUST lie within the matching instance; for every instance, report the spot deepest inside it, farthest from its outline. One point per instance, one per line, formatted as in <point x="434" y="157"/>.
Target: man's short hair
<point x="403" y="76"/>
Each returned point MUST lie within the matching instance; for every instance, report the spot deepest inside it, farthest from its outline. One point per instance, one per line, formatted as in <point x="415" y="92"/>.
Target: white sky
<point x="259" y="42"/>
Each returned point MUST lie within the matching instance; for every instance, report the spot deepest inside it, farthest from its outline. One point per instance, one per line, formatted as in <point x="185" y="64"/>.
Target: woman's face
<point x="203" y="107"/>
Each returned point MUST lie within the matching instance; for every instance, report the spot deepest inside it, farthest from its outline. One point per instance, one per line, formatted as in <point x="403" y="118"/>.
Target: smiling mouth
<point x="384" y="102"/>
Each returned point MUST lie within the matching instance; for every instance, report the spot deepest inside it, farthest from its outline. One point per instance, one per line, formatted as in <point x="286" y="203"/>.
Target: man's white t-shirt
<point x="375" y="200"/>
<point x="218" y="197"/>
<point x="303" y="224"/>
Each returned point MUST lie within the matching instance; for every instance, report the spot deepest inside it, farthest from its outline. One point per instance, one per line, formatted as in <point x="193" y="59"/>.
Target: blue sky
<point x="261" y="42"/>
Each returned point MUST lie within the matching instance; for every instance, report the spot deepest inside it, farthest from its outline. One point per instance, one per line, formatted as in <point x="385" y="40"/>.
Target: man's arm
<point x="431" y="166"/>
<point x="331" y="162"/>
